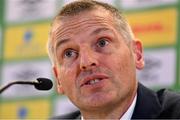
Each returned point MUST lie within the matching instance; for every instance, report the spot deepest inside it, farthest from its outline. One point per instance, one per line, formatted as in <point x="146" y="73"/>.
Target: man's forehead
<point x="83" y="15"/>
<point x="97" y="14"/>
<point x="95" y="17"/>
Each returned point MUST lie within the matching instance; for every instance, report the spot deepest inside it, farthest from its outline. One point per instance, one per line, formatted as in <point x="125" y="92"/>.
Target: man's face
<point x="95" y="67"/>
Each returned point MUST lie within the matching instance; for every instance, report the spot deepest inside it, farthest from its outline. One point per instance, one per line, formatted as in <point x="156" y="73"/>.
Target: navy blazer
<point x="162" y="104"/>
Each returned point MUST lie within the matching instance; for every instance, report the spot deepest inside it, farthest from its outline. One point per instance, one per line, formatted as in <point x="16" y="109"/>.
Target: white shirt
<point x="128" y="114"/>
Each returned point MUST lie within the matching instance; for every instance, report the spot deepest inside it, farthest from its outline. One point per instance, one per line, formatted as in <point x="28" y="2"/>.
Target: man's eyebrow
<point x="98" y="30"/>
<point x="61" y="42"/>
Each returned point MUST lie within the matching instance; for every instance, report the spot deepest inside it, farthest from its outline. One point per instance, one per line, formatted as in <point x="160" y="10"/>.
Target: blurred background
<point x="24" y="27"/>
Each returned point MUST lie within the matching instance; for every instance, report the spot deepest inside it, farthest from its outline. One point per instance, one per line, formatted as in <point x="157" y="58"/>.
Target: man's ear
<point x="138" y="52"/>
<point x="58" y="82"/>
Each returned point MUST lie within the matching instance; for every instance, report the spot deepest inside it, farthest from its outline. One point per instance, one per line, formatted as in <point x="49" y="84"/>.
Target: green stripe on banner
<point x="178" y="49"/>
<point x="1" y="37"/>
<point x="1" y="27"/>
<point x="1" y="9"/>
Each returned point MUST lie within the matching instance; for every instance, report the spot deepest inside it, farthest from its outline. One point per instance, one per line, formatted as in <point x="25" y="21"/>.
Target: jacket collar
<point x="147" y="105"/>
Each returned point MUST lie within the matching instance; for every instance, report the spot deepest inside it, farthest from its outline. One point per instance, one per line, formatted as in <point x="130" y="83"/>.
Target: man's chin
<point x="96" y="101"/>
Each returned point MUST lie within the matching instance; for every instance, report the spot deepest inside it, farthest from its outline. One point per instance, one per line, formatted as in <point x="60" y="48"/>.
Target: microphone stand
<point x="17" y="82"/>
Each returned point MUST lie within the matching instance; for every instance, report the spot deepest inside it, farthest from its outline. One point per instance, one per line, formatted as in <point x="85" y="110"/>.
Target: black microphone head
<point x="43" y="84"/>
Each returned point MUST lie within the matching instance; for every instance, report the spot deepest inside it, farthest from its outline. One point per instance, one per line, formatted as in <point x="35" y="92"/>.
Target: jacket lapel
<point x="147" y="105"/>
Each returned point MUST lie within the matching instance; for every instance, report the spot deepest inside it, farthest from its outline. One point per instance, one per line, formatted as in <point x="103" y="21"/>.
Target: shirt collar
<point x="128" y="114"/>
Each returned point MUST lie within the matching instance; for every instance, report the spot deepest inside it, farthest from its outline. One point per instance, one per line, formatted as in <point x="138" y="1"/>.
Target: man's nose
<point x="88" y="60"/>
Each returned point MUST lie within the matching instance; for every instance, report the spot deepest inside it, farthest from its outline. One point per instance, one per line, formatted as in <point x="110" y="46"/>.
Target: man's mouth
<point x="91" y="82"/>
<point x="93" y="79"/>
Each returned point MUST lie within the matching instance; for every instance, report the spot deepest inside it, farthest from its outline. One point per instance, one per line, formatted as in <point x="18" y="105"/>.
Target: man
<point x="95" y="56"/>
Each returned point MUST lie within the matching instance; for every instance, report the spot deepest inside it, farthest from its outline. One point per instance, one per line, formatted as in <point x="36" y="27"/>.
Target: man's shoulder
<point x="161" y="104"/>
<point x="72" y="115"/>
<point x="169" y="96"/>
<point x="170" y="102"/>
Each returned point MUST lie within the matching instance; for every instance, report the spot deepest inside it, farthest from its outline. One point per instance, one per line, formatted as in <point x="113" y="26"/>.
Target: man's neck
<point x="129" y="112"/>
<point x="114" y="111"/>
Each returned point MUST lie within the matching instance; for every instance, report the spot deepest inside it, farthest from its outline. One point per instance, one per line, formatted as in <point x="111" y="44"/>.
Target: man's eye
<point x="70" y="53"/>
<point x="102" y="42"/>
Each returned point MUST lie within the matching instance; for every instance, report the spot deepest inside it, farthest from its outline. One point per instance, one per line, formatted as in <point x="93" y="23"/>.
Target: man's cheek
<point x="69" y="76"/>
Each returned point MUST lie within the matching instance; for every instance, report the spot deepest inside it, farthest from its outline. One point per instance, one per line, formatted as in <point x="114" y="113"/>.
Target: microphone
<point x="43" y="84"/>
<point x="39" y="84"/>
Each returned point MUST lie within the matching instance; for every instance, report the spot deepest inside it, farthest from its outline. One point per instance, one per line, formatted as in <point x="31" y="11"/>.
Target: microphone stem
<point x="17" y="82"/>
